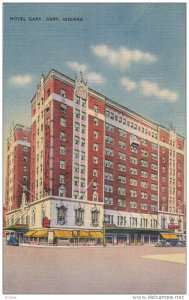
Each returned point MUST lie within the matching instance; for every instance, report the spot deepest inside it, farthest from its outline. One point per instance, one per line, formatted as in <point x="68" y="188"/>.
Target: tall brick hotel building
<point x="96" y="168"/>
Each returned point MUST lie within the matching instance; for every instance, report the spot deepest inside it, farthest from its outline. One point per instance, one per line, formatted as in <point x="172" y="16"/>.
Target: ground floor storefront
<point x="137" y="237"/>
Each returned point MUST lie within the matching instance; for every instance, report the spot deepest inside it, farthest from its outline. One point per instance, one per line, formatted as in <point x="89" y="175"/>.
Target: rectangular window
<point x="63" y="107"/>
<point x="96" y="121"/>
<point x="95" y="147"/>
<point x="96" y="108"/>
<point x="96" y="134"/>
<point x="108" y="200"/>
<point x="62" y="150"/>
<point x="95" y="159"/>
<point x="121" y="202"/>
<point x="63" y="122"/>
<point x="77" y="113"/>
<point x="109" y="163"/>
<point x="62" y="164"/>
<point x="95" y="172"/>
<point x="61" y="179"/>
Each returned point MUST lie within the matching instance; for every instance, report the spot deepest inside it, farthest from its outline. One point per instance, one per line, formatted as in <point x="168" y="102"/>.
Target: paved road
<point x="82" y="270"/>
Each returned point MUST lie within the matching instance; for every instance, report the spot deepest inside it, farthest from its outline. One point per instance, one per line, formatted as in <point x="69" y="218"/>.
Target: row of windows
<point x="121" y="119"/>
<point x="131" y="221"/>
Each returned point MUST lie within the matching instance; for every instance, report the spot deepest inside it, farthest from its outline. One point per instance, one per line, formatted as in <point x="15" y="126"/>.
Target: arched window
<point x="95" y="216"/>
<point x="61" y="214"/>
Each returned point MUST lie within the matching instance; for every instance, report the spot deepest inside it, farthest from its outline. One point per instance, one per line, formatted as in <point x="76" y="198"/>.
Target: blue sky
<point x="135" y="54"/>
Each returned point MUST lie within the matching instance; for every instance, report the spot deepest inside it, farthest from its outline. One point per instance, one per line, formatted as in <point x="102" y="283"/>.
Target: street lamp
<point x="104" y="232"/>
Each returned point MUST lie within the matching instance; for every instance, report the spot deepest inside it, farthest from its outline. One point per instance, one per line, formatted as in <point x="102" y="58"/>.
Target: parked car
<point x="161" y="244"/>
<point x="13" y="242"/>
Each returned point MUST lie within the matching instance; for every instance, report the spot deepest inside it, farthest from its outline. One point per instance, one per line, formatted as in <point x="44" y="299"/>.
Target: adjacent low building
<point x="98" y="168"/>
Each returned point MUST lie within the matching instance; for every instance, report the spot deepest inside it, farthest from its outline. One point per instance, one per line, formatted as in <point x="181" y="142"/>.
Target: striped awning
<point x="40" y="233"/>
<point x="63" y="234"/>
<point x="29" y="233"/>
<point x="80" y="234"/>
<point x="169" y="236"/>
<point x="96" y="235"/>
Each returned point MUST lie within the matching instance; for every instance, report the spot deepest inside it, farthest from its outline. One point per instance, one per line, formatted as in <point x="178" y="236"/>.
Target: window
<point x="94" y="185"/>
<point x="154" y="197"/>
<point x="25" y="178"/>
<point x="82" y="169"/>
<point x="77" y="127"/>
<point x="144" y="152"/>
<point x="76" y="167"/>
<point x="83" y="102"/>
<point x="95" y="216"/>
<point x="133" y="204"/>
<point x="108" y="188"/>
<point x="77" y="113"/>
<point x="144" y="206"/>
<point x="144" y="184"/>
<point x="109" y="163"/>
<point x="133" y="160"/>
<point x="154" y="187"/>
<point x="122" y="132"/>
<point x="62" y="164"/>
<point x="121" y="203"/>
<point x="95" y="172"/>
<point x="63" y="93"/>
<point x="76" y="140"/>
<point x="96" y="108"/>
<point x="61" y="179"/>
<point x="62" y="150"/>
<point x="95" y="147"/>
<point x="76" y="181"/>
<point x="61" y="214"/>
<point x="154" y="156"/>
<point x="122" y="144"/>
<point x="108" y="200"/>
<point x="133" y="182"/>
<point x="154" y="167"/>
<point x="109" y="151"/>
<point x="108" y="176"/>
<point x="121" y="167"/>
<point x="133" y="193"/>
<point x="154" y="146"/>
<point x="154" y="177"/>
<point x="109" y="139"/>
<point x="133" y="171"/>
<point x="144" y="195"/>
<point x="25" y="149"/>
<point x="83" y="142"/>
<point x="121" y="191"/>
<point x="79" y="216"/>
<point x="96" y="134"/>
<point x="109" y="127"/>
<point x="95" y="159"/>
<point x="76" y="153"/>
<point x="121" y="179"/>
<point x="122" y="156"/>
<point x="25" y="168"/>
<point x="82" y="155"/>
<point x="63" y="122"/>
<point x="96" y="121"/>
<point x="63" y="107"/>
<point x="144" y="163"/>
<point x="83" y="115"/>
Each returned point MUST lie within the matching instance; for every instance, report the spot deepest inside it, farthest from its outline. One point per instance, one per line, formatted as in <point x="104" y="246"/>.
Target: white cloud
<point x="96" y="78"/>
<point x="128" y="84"/>
<point x="21" y="80"/>
<point x="123" y="57"/>
<point x="75" y="66"/>
<point x="152" y="89"/>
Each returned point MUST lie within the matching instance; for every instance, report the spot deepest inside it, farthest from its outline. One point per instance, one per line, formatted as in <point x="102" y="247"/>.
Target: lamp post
<point x="104" y="232"/>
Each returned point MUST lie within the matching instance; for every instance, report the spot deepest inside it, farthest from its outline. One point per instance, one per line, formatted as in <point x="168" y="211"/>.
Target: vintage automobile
<point x="13" y="242"/>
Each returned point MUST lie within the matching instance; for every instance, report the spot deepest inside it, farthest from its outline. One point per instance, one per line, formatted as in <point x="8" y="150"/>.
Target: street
<point x="94" y="270"/>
